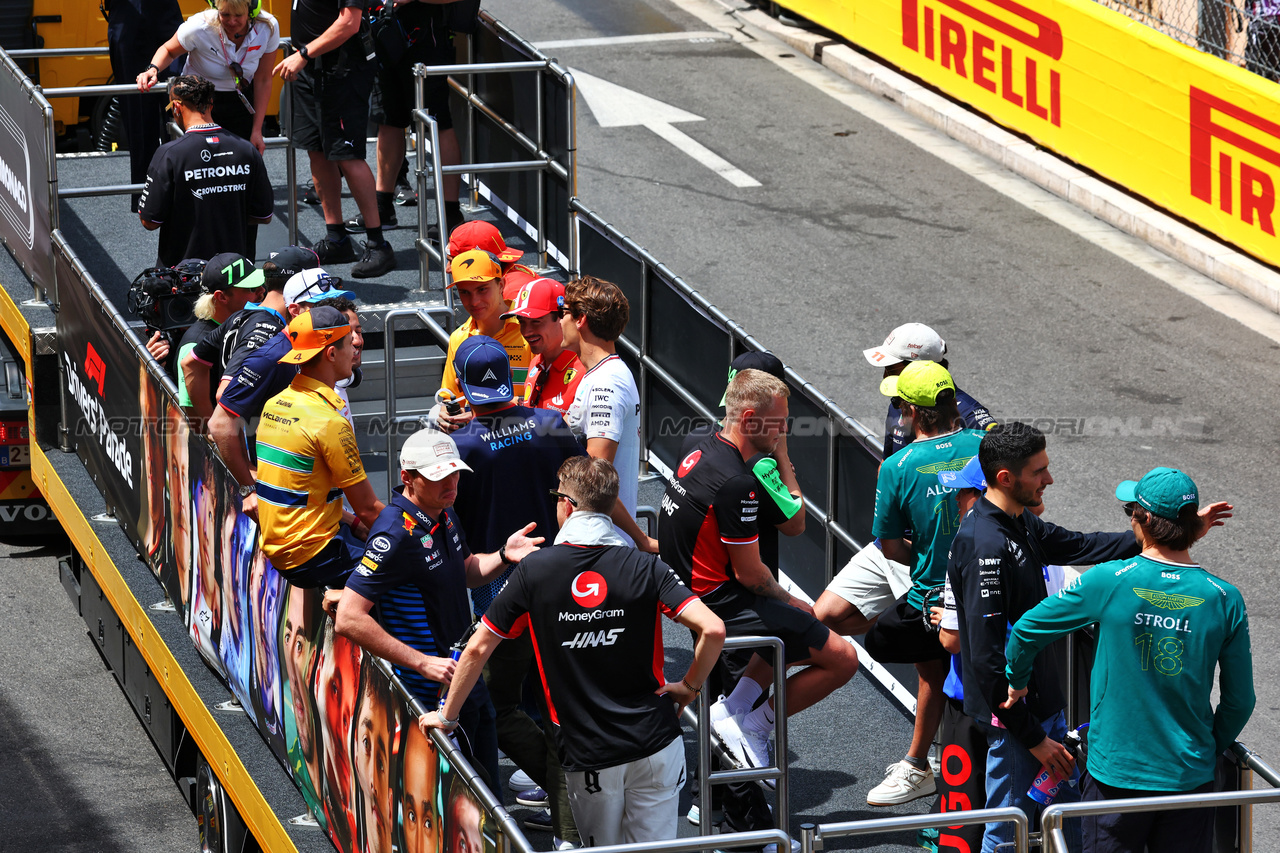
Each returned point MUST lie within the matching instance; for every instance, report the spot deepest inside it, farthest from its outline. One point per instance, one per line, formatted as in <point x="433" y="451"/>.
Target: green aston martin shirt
<point x="909" y="498"/>
<point x="1162" y="628"/>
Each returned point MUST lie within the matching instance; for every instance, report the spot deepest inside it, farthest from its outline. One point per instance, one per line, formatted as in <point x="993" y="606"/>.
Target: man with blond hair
<point x="709" y="532"/>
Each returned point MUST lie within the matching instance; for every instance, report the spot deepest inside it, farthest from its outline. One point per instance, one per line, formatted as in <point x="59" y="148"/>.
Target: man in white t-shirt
<point x="605" y="415"/>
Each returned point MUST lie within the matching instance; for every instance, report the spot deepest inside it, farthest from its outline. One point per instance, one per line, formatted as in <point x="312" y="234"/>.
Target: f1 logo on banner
<point x="1027" y="42"/>
<point x="1244" y="187"/>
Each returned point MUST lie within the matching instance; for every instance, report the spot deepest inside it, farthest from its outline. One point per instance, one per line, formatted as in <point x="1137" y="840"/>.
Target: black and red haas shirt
<point x="594" y="614"/>
<point x="713" y="501"/>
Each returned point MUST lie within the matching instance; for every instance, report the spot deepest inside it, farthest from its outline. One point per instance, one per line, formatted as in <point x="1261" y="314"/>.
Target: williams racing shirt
<point x="592" y="612"/>
<point x="204" y="189"/>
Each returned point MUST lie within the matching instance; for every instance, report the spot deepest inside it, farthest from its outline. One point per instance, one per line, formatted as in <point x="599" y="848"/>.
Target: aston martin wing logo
<point x="1168" y="601"/>
<point x="949" y="465"/>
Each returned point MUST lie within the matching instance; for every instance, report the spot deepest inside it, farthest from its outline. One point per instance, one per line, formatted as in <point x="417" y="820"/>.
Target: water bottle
<point x="1046" y="784"/>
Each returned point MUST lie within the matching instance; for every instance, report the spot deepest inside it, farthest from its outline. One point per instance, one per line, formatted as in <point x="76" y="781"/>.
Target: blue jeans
<point x="1011" y="768"/>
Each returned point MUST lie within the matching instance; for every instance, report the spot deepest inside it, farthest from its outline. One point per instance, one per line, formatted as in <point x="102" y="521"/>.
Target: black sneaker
<point x="377" y="260"/>
<point x="335" y="251"/>
<point x="309" y="195"/>
<point x="356" y="225"/>
<point x="406" y="195"/>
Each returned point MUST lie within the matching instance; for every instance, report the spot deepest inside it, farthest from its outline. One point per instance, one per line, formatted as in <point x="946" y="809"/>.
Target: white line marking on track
<point x="644" y="38"/>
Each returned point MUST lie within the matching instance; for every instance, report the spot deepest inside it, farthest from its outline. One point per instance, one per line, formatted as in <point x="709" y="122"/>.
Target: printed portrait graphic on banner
<point x="176" y="573"/>
<point x="376" y="740"/>
<point x="337" y="681"/>
<point x="206" y="601"/>
<point x="299" y="643"/>
<point x="419" y="801"/>
<point x="150" y="425"/>
<point x="239" y="538"/>
<point x="266" y="598"/>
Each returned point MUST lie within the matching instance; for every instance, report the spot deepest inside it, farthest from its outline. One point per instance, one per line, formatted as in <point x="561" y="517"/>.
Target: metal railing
<point x="812" y="835"/>
<point x="707" y="777"/>
<point x="509" y="836"/>
<point x="1227" y="29"/>
<point x="730" y="840"/>
<point x="1051" y="819"/>
<point x="423" y="316"/>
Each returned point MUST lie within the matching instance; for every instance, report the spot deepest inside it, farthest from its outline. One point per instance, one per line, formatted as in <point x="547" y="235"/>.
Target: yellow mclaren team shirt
<point x="517" y="353"/>
<point x="307" y="455"/>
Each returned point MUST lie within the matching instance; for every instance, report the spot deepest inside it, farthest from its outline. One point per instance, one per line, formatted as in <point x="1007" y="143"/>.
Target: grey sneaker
<point x="377" y="260"/>
<point x="903" y="782"/>
<point x="335" y="251"/>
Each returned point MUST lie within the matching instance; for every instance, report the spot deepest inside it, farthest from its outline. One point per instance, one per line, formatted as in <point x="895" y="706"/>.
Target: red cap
<point x="478" y="234"/>
<point x="537" y="299"/>
<point x="514" y="280"/>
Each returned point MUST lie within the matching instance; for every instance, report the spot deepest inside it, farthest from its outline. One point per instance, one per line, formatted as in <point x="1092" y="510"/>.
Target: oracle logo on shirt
<point x="589" y="589"/>
<point x="689" y="461"/>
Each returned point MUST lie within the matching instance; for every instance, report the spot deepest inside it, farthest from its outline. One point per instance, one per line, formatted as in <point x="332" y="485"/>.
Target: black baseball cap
<point x="766" y="361"/>
<point x="292" y="260"/>
<point x="228" y="270"/>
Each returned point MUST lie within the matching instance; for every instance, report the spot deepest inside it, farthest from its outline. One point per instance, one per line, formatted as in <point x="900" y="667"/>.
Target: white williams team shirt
<point x="607" y="405"/>
<point x="210" y="52"/>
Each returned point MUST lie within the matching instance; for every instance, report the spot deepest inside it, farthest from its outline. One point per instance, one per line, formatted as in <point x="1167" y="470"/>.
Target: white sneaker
<point x="719" y="711"/>
<point x="903" y="782"/>
<point x="520" y="781"/>
<point x="773" y="848"/>
<point x="750" y="749"/>
<point x="558" y="843"/>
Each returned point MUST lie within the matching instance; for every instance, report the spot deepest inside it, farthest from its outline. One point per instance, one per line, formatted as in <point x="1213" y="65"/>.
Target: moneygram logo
<point x="1247" y="159"/>
<point x="589" y="589"/>
<point x="998" y="45"/>
<point x="15" y="180"/>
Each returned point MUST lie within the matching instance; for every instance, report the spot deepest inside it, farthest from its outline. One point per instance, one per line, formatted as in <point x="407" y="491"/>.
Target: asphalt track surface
<point x="855" y="230"/>
<point x="852" y="231"/>
<point x="77" y="770"/>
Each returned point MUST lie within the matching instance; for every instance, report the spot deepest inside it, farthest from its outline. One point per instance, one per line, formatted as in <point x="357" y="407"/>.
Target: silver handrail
<point x="423" y="315"/>
<point x="1052" y="818"/>
<point x="782" y="806"/>
<point x="429" y="130"/>
<point x="812" y="836"/>
<point x="507" y="825"/>
<point x="695" y="843"/>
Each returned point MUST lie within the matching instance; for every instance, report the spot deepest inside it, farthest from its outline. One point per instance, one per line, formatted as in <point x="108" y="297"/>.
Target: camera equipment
<point x="164" y="297"/>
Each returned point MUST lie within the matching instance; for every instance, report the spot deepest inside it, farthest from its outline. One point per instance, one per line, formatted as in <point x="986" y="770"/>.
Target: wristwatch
<point x="502" y="555"/>
<point x="302" y="49"/>
<point x="245" y="491"/>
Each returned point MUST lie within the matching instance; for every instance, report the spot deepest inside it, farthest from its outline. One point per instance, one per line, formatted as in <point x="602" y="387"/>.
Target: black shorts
<point x="1183" y="830"/>
<point x="331" y="105"/>
<point x="393" y="91"/>
<point x="899" y="636"/>
<point x="747" y="615"/>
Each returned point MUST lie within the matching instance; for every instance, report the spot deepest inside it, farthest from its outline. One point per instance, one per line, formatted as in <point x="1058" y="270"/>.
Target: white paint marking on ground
<point x="888" y="115"/>
<point x="645" y="38"/>
<point x="617" y="106"/>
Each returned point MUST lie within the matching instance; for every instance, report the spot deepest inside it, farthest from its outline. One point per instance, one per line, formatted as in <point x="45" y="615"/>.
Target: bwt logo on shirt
<point x="1248" y="159"/>
<point x="589" y="589"/>
<point x="1025" y="39"/>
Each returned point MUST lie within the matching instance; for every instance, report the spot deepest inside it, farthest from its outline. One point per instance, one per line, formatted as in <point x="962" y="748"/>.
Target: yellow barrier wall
<point x="1192" y="133"/>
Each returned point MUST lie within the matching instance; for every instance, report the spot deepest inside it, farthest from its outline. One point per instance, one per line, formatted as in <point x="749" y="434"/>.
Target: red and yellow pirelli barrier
<point x="1192" y="133"/>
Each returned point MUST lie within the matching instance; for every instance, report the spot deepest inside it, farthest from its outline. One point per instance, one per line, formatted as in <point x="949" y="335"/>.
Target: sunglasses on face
<point x="557" y="495"/>
<point x="323" y="284"/>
